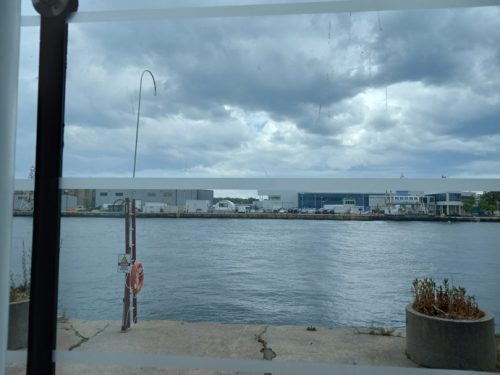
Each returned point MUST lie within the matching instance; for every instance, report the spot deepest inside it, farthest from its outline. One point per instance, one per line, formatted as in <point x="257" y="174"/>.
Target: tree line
<point x="489" y="201"/>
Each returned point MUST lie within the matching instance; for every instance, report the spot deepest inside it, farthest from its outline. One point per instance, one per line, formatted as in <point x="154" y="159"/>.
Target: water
<point x="325" y="273"/>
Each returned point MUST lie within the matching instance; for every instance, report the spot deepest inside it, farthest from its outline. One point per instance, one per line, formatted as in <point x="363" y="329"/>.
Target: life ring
<point x="137" y="277"/>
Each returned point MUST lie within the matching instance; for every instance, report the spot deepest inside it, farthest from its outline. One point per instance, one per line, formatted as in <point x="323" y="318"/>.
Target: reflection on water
<point x="327" y="273"/>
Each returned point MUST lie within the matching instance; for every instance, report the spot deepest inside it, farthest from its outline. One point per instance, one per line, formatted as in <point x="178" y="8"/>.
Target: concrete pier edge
<point x="98" y="347"/>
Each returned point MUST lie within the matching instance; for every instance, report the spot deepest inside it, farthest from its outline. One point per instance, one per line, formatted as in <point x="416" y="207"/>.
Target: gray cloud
<point x="301" y="95"/>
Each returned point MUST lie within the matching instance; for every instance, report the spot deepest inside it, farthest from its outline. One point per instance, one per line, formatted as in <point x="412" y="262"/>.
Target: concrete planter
<point x="451" y="344"/>
<point x="18" y="325"/>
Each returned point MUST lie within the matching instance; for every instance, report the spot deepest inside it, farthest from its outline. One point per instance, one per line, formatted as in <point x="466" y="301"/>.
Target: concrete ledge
<point x="451" y="344"/>
<point x="18" y="325"/>
<point x="204" y="339"/>
<point x="180" y="348"/>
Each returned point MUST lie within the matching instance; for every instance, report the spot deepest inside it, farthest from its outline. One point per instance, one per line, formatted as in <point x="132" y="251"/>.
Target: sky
<point x="376" y="94"/>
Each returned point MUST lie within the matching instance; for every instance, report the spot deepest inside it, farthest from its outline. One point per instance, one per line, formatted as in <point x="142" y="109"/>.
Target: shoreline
<point x="279" y="216"/>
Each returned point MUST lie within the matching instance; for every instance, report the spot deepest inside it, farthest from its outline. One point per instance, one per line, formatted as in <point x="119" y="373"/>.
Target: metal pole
<point x="10" y="21"/>
<point x="138" y="114"/>
<point x="46" y="214"/>
<point x="126" y="292"/>
<point x="134" y="256"/>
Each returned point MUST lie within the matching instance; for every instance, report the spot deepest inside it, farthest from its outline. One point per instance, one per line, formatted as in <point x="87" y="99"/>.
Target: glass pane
<point x="398" y="95"/>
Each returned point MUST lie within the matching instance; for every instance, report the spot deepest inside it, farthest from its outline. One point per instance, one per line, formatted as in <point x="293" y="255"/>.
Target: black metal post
<point x="46" y="217"/>
<point x="126" y="290"/>
<point x="134" y="256"/>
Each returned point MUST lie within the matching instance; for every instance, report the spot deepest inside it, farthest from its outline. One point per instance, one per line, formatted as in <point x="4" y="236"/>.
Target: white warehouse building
<point x="172" y="198"/>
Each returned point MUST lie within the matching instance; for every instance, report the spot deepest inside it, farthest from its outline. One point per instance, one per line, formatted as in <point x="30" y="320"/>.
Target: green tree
<point x="488" y="201"/>
<point x="468" y="203"/>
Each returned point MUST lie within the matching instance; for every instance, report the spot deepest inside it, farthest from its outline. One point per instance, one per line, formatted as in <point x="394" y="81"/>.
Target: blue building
<point x="318" y="200"/>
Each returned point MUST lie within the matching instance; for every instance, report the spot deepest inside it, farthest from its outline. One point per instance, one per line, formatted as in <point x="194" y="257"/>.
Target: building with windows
<point x="317" y="201"/>
<point x="398" y="202"/>
<point x="277" y="200"/>
<point x="448" y="203"/>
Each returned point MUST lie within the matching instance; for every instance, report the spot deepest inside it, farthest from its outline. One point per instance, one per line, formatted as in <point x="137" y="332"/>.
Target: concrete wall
<point x="18" y="325"/>
<point x="154" y="207"/>
<point x="197" y="205"/>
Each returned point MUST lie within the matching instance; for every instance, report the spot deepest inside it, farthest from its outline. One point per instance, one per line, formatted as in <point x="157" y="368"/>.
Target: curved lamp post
<point x="139" y="112"/>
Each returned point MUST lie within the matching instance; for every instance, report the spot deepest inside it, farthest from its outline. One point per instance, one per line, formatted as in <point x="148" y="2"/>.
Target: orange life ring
<point x="137" y="277"/>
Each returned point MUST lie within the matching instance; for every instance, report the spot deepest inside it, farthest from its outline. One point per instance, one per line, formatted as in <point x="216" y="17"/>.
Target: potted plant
<point x="446" y="329"/>
<point x="19" y="307"/>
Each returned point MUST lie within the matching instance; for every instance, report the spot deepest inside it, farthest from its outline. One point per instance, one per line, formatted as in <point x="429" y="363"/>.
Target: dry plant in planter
<point x="20" y="290"/>
<point x="444" y="301"/>
<point x="445" y="328"/>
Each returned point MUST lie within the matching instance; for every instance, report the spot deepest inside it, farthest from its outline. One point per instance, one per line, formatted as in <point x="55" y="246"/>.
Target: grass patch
<point x="381" y="331"/>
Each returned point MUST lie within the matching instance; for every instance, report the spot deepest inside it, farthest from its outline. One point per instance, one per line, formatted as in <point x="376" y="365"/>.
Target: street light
<point x="139" y="112"/>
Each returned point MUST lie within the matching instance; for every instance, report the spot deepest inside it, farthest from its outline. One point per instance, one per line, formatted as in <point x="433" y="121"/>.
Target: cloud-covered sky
<point x="334" y="95"/>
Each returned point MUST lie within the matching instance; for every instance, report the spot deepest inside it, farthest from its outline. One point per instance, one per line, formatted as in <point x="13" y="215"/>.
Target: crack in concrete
<point x="267" y="353"/>
<point x="259" y="338"/>
<point x="84" y="339"/>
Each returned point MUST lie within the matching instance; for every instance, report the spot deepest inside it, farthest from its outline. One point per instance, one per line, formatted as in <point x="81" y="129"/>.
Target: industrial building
<point x="448" y="203"/>
<point x="172" y="198"/>
<point x="88" y="199"/>
<point x="396" y="203"/>
<point x="319" y="200"/>
<point x="197" y="205"/>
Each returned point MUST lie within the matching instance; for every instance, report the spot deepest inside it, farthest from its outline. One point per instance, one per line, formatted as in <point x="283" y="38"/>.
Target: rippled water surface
<point x="328" y="273"/>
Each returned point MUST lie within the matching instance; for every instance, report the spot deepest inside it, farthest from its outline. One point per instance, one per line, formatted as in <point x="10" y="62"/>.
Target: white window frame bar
<point x="10" y="20"/>
<point x="270" y="9"/>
